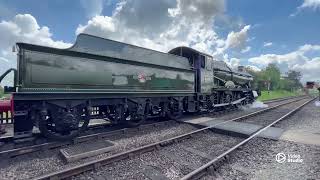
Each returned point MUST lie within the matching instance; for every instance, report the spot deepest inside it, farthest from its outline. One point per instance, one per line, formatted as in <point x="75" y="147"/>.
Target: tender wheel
<point x="174" y="110"/>
<point x="136" y="116"/>
<point x="64" y="124"/>
<point x="133" y="119"/>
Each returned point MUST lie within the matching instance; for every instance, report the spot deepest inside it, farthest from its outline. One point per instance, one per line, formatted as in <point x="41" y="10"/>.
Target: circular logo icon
<point x="280" y="157"/>
<point x="142" y="78"/>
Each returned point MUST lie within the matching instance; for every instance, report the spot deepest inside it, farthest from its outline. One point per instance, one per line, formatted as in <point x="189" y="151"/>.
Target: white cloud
<point x="297" y="60"/>
<point x="95" y="26"/>
<point x="266" y="44"/>
<point x="23" y="28"/>
<point x="92" y="7"/>
<point x="310" y="69"/>
<point x="202" y="10"/>
<point x="251" y="39"/>
<point x="307" y="4"/>
<point x="308" y="47"/>
<point x="245" y="50"/>
<point x="237" y="39"/>
<point x="313" y="4"/>
<point x="233" y="62"/>
<point x="254" y="68"/>
<point x="162" y="25"/>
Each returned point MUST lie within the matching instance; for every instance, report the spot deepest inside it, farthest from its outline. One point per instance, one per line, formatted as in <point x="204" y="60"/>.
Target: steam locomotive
<point x="57" y="90"/>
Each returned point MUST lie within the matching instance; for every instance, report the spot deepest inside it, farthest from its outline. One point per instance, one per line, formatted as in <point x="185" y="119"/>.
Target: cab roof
<point x="184" y="49"/>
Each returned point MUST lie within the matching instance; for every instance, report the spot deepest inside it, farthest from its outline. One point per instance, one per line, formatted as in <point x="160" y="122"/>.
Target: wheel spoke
<point x="65" y="124"/>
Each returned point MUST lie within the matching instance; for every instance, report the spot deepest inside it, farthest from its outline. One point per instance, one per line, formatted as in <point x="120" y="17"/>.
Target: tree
<point x="255" y="74"/>
<point x="286" y="84"/>
<point x="295" y="77"/>
<point x="272" y="74"/>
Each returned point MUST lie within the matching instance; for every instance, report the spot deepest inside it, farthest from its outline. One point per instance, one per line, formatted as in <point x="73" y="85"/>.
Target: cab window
<point x="202" y="61"/>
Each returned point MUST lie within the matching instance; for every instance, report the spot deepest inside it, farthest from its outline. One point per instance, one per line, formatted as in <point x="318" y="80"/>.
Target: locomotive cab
<point x="215" y="81"/>
<point x="202" y="63"/>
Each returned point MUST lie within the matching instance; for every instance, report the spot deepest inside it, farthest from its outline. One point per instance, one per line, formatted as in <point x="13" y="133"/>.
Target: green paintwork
<point x="53" y="70"/>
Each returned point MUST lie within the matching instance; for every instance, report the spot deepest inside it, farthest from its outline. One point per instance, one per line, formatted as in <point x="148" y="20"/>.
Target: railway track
<point x="9" y="153"/>
<point x="37" y="143"/>
<point x="211" y="165"/>
<point x="157" y="146"/>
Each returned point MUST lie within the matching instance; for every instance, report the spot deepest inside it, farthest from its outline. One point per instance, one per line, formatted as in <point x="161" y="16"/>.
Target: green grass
<point x="277" y="94"/>
<point x="2" y="95"/>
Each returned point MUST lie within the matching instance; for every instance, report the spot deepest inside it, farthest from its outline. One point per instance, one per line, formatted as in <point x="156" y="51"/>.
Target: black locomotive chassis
<point x="28" y="105"/>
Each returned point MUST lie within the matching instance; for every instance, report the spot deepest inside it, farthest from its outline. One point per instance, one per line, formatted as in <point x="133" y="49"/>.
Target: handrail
<point x="14" y="76"/>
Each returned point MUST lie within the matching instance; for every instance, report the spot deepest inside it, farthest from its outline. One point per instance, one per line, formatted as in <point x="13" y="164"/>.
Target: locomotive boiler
<point x="57" y="89"/>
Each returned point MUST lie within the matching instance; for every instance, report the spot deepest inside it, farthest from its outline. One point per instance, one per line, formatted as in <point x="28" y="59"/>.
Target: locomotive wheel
<point x="134" y="119"/>
<point x="227" y="98"/>
<point x="48" y="127"/>
<point x="174" y="112"/>
<point x="174" y="115"/>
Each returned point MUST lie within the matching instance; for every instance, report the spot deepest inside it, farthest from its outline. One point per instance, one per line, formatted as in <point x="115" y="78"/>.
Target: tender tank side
<point x="102" y="65"/>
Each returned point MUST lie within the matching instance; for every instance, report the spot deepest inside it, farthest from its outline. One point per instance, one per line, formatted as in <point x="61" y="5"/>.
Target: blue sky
<point x="273" y="23"/>
<point x="63" y="17"/>
<point x="248" y="32"/>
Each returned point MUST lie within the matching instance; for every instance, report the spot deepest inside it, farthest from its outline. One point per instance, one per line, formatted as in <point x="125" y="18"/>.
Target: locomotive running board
<point x="238" y="101"/>
<point x="233" y="103"/>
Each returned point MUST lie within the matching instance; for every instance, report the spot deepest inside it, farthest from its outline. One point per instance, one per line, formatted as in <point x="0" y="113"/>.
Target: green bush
<point x="272" y="75"/>
<point x="1" y="92"/>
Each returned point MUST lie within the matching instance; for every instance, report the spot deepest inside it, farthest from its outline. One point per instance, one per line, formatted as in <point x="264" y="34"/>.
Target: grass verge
<point x="277" y="94"/>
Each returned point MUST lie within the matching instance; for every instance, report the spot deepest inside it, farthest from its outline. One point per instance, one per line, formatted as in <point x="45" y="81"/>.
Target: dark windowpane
<point x="202" y="59"/>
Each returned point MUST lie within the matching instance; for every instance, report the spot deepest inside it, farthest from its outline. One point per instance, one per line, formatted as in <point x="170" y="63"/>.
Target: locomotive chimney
<point x="241" y="68"/>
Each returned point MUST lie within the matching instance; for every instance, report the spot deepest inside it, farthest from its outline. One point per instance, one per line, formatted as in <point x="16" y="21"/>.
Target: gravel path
<point x="171" y="162"/>
<point x="306" y="119"/>
<point x="256" y="160"/>
<point x="35" y="164"/>
<point x="268" y="117"/>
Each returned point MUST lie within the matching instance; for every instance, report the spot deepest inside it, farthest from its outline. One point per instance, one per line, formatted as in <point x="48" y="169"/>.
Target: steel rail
<point x="54" y="144"/>
<point x="9" y="139"/>
<point x="94" y="164"/>
<point x="196" y="174"/>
